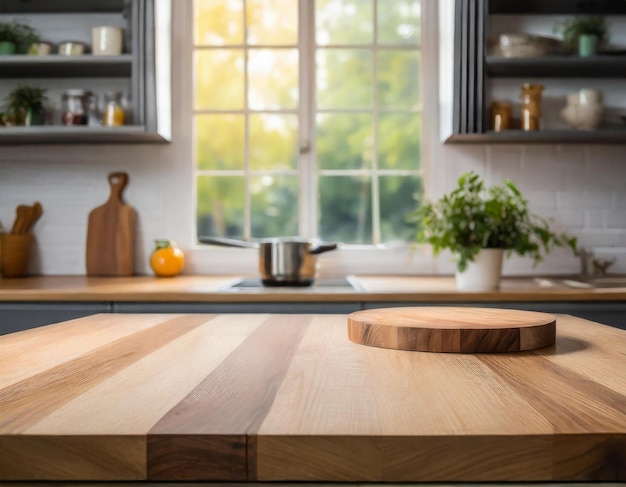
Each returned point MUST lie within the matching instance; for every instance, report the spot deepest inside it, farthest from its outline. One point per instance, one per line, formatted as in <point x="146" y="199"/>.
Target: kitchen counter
<point x="207" y="289"/>
<point x="261" y="397"/>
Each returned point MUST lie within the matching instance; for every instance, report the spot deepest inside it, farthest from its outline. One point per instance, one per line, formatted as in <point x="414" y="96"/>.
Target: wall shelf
<point x="557" y="7"/>
<point x="55" y="66"/>
<point x="608" y="136"/>
<point x="61" y="134"/>
<point x="144" y="72"/>
<point x="63" y="6"/>
<point x="557" y="67"/>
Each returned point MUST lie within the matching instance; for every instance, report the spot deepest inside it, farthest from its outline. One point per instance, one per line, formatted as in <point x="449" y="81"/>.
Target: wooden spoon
<point x="35" y="213"/>
<point x="21" y="215"/>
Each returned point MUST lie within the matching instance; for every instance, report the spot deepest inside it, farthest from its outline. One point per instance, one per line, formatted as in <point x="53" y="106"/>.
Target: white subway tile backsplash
<point x="542" y="200"/>
<point x="589" y="200"/>
<point x="594" y="219"/>
<point x="591" y="239"/>
<point x="615" y="219"/>
<point x="619" y="200"/>
<point x="565" y="219"/>
<point x="569" y="200"/>
<point x="504" y="162"/>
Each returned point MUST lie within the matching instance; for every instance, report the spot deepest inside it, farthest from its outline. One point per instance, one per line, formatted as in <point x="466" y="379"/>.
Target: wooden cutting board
<point x="452" y="329"/>
<point x="111" y="233"/>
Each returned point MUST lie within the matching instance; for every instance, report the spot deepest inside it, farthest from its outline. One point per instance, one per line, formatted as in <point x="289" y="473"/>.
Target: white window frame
<point x="349" y="259"/>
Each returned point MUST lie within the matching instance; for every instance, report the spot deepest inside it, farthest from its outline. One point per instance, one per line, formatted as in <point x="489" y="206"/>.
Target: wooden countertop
<point x="288" y="397"/>
<point x="214" y="289"/>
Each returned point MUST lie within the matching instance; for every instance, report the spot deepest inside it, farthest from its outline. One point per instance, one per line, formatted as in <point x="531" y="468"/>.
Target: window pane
<point x="344" y="141"/>
<point x="273" y="79"/>
<point x="219" y="79"/>
<point x="344" y="21"/>
<point x="344" y="78"/>
<point x="345" y="209"/>
<point x="397" y="200"/>
<point x="399" y="21"/>
<point x="274" y="206"/>
<point x="273" y="141"/>
<point x="218" y="22"/>
<point x="398" y="80"/>
<point x="220" y="141"/>
<point x="220" y="206"/>
<point x="399" y="141"/>
<point x="272" y="22"/>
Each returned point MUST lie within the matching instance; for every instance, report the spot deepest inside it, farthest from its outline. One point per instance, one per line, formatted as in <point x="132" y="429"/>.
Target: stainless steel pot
<point x="282" y="261"/>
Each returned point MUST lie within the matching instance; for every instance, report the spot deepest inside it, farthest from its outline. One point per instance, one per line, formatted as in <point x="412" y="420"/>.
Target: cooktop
<point x="348" y="283"/>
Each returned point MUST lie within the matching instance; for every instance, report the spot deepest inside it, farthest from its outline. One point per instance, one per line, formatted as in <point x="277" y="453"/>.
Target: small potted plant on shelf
<point x="479" y="225"/>
<point x="25" y="105"/>
<point x="585" y="34"/>
<point x="16" y="38"/>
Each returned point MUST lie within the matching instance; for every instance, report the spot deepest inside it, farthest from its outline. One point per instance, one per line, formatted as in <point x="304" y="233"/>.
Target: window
<point x="307" y="118"/>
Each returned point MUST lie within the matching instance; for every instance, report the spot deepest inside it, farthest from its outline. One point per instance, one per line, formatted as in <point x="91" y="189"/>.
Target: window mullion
<point x="306" y="160"/>
<point x="376" y="238"/>
<point x="247" y="210"/>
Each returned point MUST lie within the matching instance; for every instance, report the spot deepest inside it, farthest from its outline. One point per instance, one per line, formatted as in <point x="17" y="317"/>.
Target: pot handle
<point x="323" y="248"/>
<point x="228" y="242"/>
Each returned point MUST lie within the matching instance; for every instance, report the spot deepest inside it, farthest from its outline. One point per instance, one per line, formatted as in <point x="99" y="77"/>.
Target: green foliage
<point x="343" y="136"/>
<point x="22" y="35"/>
<point x="574" y="27"/>
<point x="26" y="97"/>
<point x="20" y="102"/>
<point x="473" y="217"/>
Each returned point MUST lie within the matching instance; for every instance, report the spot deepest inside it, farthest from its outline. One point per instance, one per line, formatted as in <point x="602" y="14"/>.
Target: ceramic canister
<point x="106" y="41"/>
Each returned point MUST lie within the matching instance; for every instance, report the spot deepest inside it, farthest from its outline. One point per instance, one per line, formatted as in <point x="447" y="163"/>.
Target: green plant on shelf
<point x="473" y="217"/>
<point x="16" y="38"/>
<point x="573" y="28"/>
<point x="25" y="105"/>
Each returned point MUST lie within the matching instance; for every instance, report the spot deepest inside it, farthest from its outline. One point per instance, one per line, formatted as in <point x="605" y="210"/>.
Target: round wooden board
<point x="452" y="329"/>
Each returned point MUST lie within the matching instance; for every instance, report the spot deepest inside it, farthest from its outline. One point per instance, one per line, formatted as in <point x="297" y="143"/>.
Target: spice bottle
<point x="113" y="115"/>
<point x="73" y="107"/>
<point x="501" y="115"/>
<point x="531" y="107"/>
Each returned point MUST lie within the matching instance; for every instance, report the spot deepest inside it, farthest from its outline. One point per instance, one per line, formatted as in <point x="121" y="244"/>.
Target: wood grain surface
<point x="452" y="329"/>
<point x="262" y="397"/>
<point x="111" y="233"/>
<point x="213" y="289"/>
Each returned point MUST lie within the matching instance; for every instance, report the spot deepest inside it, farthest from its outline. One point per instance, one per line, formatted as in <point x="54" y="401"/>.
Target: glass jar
<point x="531" y="107"/>
<point x="74" y="107"/>
<point x="113" y="113"/>
<point x="501" y="112"/>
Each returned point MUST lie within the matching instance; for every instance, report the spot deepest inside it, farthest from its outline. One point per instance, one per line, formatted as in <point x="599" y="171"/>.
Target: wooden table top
<point x="215" y="289"/>
<point x="263" y="397"/>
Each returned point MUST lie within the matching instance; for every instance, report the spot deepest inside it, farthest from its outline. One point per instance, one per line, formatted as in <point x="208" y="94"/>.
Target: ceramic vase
<point x="7" y="48"/>
<point x="483" y="273"/>
<point x="587" y="45"/>
<point x="584" y="110"/>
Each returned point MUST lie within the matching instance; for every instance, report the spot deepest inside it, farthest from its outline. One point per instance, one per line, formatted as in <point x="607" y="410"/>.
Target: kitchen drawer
<point x="280" y="308"/>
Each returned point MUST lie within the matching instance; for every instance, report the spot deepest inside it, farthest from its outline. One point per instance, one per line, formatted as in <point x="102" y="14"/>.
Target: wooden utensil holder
<point x="15" y="254"/>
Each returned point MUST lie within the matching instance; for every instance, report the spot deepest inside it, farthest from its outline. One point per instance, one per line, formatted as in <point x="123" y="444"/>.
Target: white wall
<point x="580" y="187"/>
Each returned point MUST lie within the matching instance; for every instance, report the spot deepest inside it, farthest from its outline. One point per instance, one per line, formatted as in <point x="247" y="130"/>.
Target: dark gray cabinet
<point x="23" y="316"/>
<point x="471" y="69"/>
<point x="143" y="71"/>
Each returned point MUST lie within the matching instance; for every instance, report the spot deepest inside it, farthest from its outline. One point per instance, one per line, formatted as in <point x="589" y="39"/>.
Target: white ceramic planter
<point x="483" y="273"/>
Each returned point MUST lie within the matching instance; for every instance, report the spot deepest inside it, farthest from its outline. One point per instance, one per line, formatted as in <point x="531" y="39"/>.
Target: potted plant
<point x="585" y="34"/>
<point x="478" y="225"/>
<point x="25" y="104"/>
<point x="16" y="38"/>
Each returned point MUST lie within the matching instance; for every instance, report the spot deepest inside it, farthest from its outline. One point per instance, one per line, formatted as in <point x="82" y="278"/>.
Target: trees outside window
<point x="307" y="118"/>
